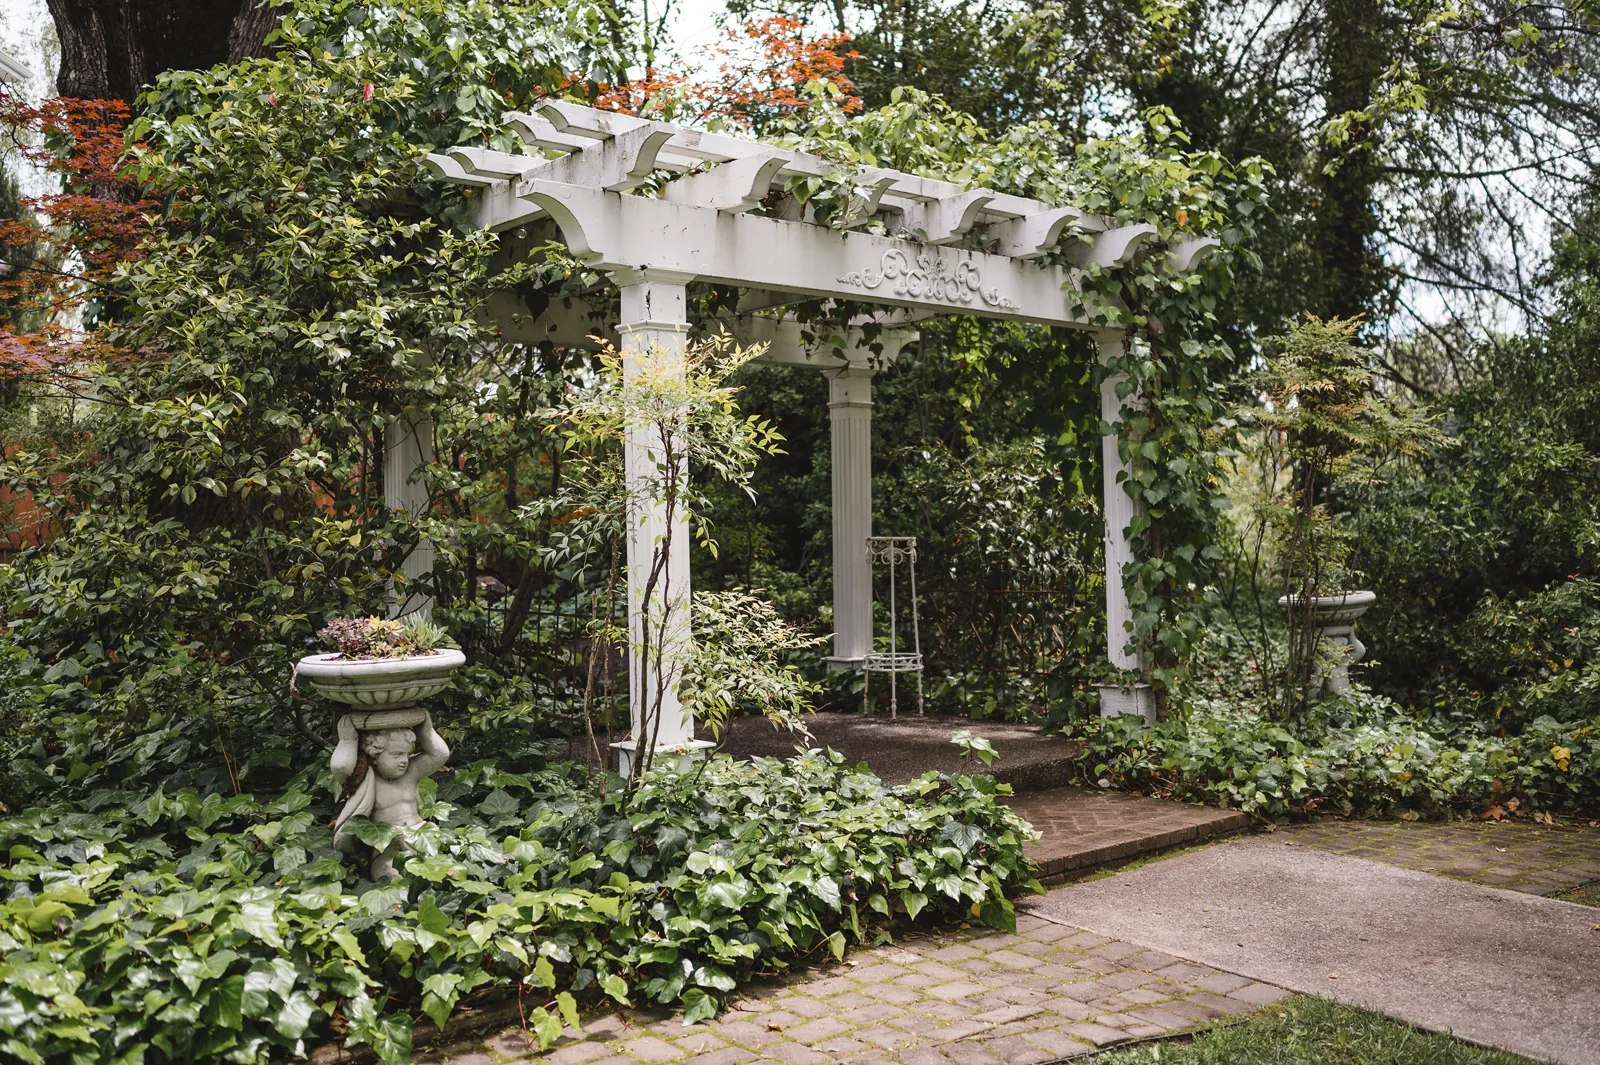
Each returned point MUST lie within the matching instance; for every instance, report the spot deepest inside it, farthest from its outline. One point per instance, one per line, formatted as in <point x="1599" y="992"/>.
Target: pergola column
<point x="654" y="331"/>
<point x="407" y="448"/>
<point x="850" y="410"/>
<point x="1119" y="509"/>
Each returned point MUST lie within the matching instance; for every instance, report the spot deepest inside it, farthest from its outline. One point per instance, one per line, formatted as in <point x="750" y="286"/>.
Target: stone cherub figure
<point x="387" y="793"/>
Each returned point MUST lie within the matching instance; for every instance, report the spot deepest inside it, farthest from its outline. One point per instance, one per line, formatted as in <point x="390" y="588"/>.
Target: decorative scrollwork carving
<point x="929" y="276"/>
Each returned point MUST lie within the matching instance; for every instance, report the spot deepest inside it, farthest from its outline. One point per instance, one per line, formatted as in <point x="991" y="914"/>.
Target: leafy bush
<point x="1359" y="755"/>
<point x="179" y="926"/>
<point x="268" y="340"/>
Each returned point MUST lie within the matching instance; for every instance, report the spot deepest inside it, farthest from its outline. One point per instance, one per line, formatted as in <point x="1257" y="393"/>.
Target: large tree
<point x="1426" y="152"/>
<point x="110" y="49"/>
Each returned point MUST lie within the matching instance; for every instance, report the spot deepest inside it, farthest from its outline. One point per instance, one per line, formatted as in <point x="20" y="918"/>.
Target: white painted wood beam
<point x="541" y="133"/>
<point x="1185" y="255"/>
<point x="609" y="231"/>
<point x="591" y="122"/>
<point x="654" y="329"/>
<point x="447" y="169"/>
<point x="498" y="166"/>
<point x="736" y="186"/>
<point x="616" y="164"/>
<point x="946" y="220"/>
<point x="1032" y="235"/>
<point x="850" y="438"/>
<point x="407" y="450"/>
<point x="876" y="183"/>
<point x="1119" y="509"/>
<point x="1114" y="247"/>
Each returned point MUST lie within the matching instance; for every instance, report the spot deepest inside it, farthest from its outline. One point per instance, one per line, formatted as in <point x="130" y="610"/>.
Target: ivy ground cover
<point x="167" y="927"/>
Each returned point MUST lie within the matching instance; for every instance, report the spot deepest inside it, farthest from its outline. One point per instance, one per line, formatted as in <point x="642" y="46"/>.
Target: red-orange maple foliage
<point x="86" y="230"/>
<point x="762" y="70"/>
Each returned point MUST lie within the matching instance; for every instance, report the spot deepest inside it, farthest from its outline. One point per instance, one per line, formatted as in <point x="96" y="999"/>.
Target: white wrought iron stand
<point x="895" y="551"/>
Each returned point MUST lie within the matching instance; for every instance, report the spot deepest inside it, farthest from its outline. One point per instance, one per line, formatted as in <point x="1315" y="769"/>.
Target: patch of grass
<point x="1587" y="895"/>
<point x="1312" y="1031"/>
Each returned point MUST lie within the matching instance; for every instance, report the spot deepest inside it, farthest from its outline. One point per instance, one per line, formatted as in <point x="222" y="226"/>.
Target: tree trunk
<point x="111" y="49"/>
<point x="1357" y="44"/>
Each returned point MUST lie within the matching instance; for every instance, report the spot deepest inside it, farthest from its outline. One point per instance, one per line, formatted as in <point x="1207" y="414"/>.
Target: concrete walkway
<point x="1495" y="967"/>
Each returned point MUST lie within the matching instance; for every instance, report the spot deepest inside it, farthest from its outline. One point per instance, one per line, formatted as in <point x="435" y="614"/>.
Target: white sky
<point x="694" y="23"/>
<point x="28" y="35"/>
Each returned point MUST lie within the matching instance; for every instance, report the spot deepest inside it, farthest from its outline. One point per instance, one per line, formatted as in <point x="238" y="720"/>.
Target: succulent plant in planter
<point x="381" y="663"/>
<point x="386" y="748"/>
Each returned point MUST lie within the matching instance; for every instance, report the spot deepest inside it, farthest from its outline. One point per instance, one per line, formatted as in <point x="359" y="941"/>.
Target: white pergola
<point x="598" y="177"/>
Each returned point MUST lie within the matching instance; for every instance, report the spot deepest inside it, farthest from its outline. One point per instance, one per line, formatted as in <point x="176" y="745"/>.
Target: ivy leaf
<point x="569" y="1010"/>
<point x="259" y="918"/>
<point x="498" y="804"/>
<point x="431" y="918"/>
<point x="42" y="918"/>
<point x="914" y="901"/>
<point x="351" y="948"/>
<point x="962" y="835"/>
<point x="295" y="1017"/>
<point x="391" y="1038"/>
<point x="440" y="992"/>
<point x="546" y="1025"/>
<point x="615" y="986"/>
<point x="21" y="1052"/>
<point x="224" y="1004"/>
<point x="374" y="835"/>
<point x="697" y="1006"/>
<point x="287" y="859"/>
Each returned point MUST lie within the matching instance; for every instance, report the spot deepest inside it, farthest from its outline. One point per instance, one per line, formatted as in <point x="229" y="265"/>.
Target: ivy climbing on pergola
<point x="657" y="208"/>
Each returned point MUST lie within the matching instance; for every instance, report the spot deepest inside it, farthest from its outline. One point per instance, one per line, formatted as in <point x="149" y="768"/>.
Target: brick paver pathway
<point x="1537" y="859"/>
<point x="1082" y="827"/>
<point x="968" y="998"/>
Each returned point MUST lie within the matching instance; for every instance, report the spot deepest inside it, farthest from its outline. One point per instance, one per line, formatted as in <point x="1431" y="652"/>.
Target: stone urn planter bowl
<point x="1335" y="618"/>
<point x="380" y="683"/>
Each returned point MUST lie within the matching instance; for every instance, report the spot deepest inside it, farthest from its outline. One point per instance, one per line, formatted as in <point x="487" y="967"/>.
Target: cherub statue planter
<point x="402" y="749"/>
<point x="383" y="668"/>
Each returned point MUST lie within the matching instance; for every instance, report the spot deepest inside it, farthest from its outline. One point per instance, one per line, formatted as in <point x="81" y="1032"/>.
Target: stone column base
<point x="836" y="664"/>
<point x="1138" y="700"/>
<point x="679" y="755"/>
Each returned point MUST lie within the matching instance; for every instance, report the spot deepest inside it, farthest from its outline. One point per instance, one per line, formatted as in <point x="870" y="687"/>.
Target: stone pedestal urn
<point x="386" y="726"/>
<point x="1335" y="618"/>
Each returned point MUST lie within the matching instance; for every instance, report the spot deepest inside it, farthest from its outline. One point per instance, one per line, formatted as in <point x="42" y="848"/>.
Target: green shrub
<point x="186" y="927"/>
<point x="1362" y="755"/>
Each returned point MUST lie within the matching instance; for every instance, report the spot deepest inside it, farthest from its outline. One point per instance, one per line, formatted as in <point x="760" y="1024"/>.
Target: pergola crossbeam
<point x="611" y="232"/>
<point x="1034" y="234"/>
<point x="1114" y="247"/>
<point x="1187" y="254"/>
<point x="736" y="186"/>
<point x="947" y="220"/>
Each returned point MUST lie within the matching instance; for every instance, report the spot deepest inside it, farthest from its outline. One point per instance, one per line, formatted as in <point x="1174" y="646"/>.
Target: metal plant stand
<point x="894" y="552"/>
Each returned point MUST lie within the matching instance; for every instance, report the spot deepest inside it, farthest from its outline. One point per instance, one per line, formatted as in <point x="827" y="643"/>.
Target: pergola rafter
<point x="657" y="207"/>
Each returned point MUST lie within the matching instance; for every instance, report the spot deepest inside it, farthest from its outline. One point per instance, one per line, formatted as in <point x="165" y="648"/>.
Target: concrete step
<point x="1084" y="828"/>
<point x="904" y="748"/>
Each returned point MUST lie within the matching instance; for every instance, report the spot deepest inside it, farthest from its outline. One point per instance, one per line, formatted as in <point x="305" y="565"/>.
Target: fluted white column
<point x="850" y="409"/>
<point x="407" y="448"/>
<point x="654" y="333"/>
<point x="1119" y="509"/>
